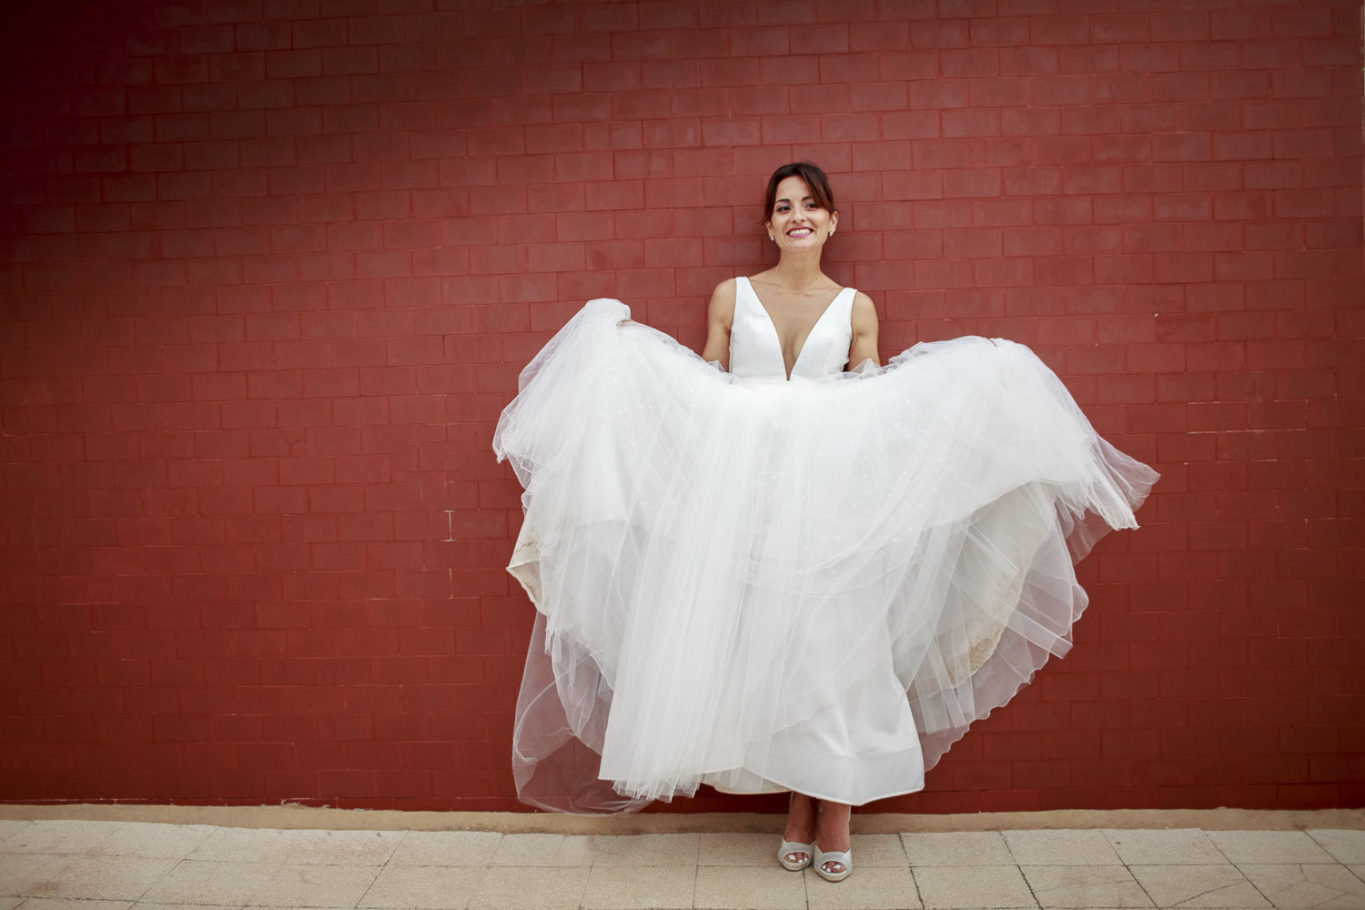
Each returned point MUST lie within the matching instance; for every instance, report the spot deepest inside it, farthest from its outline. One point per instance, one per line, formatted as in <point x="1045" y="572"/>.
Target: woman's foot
<point x="834" y="859"/>
<point x="797" y="850"/>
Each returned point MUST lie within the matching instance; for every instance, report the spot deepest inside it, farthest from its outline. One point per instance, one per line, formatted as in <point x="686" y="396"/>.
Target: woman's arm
<point x="720" y="315"/>
<point x="864" y="320"/>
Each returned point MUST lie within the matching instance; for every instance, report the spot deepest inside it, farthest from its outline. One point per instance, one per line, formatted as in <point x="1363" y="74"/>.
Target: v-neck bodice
<point x="756" y="350"/>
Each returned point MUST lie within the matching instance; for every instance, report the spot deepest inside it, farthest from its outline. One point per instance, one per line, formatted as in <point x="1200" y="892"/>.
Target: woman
<point x="783" y="575"/>
<point x="795" y="295"/>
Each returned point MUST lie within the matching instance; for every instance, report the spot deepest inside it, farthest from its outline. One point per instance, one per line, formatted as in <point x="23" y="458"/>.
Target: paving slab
<point x="425" y="887"/>
<point x="315" y="886"/>
<point x="865" y="889"/>
<point x="1291" y="886"/>
<point x="878" y="851"/>
<point x="343" y="848"/>
<point x="60" y="836"/>
<point x="646" y="850"/>
<point x="1269" y="847"/>
<point x="729" y="849"/>
<point x="10" y="827"/>
<point x="1346" y="846"/>
<point x="543" y="850"/>
<point x="547" y="888"/>
<point x="958" y="848"/>
<point x="767" y="887"/>
<point x="24" y="874"/>
<point x="153" y="841"/>
<point x="245" y="845"/>
<point x="124" y="878"/>
<point x="961" y="887"/>
<point x="447" y="848"/>
<point x="1085" y="887"/>
<point x="1179" y="847"/>
<point x="1219" y="885"/>
<point x="1061" y="848"/>
<point x="639" y="888"/>
<point x="211" y="882"/>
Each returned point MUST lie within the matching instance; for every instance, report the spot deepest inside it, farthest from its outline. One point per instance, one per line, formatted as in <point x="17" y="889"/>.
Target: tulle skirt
<point x="810" y="585"/>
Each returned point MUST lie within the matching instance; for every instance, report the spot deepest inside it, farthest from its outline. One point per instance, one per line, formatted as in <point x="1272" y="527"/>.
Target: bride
<point x="785" y="574"/>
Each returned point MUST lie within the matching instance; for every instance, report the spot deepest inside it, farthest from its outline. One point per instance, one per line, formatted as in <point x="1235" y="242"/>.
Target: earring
<point x="772" y="238"/>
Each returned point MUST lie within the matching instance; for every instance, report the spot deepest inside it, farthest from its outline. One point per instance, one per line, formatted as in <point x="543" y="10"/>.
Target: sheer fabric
<point x="762" y="584"/>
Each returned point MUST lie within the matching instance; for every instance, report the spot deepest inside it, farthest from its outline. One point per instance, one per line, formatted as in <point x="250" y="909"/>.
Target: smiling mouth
<point x="800" y="232"/>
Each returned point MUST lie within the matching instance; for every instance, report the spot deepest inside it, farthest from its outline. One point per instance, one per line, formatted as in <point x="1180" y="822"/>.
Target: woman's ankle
<point x="802" y="815"/>
<point x="832" y="827"/>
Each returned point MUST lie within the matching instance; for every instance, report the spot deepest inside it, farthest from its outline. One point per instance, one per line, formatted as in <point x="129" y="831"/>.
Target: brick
<point x="938" y="95"/>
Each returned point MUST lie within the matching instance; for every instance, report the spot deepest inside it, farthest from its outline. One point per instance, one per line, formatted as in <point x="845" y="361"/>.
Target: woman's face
<point x="797" y="222"/>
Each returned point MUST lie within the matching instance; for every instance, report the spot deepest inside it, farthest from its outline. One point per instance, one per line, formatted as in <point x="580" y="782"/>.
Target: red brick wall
<point x="270" y="268"/>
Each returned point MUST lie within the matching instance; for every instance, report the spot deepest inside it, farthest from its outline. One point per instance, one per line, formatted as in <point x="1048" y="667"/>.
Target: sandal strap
<point x="842" y="857"/>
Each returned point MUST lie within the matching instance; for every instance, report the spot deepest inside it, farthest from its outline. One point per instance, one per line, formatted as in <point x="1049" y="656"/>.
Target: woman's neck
<point x="798" y="272"/>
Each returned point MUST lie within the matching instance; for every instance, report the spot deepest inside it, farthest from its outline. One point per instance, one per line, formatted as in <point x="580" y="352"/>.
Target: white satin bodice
<point x="756" y="351"/>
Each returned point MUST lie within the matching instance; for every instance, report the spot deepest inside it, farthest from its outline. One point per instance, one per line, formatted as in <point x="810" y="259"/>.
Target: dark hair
<point x="815" y="179"/>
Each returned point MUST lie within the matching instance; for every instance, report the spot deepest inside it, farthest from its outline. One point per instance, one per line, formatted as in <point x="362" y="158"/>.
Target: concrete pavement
<point x="113" y="863"/>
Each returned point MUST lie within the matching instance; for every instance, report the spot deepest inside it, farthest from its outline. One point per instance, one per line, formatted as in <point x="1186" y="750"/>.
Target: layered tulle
<point x="813" y="585"/>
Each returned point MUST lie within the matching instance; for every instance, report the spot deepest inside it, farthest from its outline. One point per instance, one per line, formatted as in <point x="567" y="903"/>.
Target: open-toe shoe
<point x="843" y="858"/>
<point x="795" y="856"/>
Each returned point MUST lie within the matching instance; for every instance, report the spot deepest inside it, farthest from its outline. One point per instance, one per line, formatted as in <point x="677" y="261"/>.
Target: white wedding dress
<point x="811" y="584"/>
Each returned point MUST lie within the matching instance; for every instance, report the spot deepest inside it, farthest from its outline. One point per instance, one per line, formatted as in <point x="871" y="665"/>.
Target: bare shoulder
<point x="725" y="289"/>
<point x="863" y="308"/>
